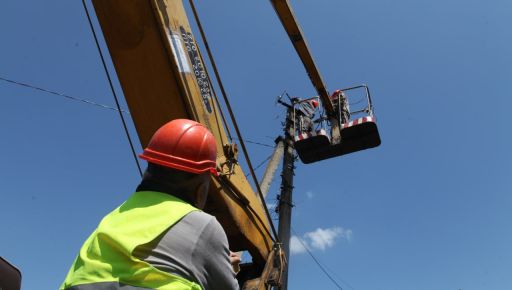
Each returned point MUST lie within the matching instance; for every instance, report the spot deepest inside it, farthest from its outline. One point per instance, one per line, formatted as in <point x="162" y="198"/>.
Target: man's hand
<point x="235" y="260"/>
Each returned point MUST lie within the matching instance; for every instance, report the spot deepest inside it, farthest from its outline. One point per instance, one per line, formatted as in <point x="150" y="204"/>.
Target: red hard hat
<point x="314" y="103"/>
<point x="184" y="145"/>
<point x="335" y="94"/>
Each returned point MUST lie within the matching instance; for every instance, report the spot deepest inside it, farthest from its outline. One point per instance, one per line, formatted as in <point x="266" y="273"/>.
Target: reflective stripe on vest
<point x="106" y="257"/>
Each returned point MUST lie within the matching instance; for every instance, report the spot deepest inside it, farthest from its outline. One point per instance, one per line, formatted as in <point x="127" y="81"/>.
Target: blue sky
<point x="428" y="209"/>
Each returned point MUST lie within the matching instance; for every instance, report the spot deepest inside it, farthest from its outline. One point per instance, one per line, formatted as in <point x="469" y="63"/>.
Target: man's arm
<point x="196" y="248"/>
<point x="212" y="251"/>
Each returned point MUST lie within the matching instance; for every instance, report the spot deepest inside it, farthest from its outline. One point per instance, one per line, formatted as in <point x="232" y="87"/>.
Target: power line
<point x="112" y="88"/>
<point x="343" y="281"/>
<point x="319" y="264"/>
<point x="261" y="163"/>
<point x="62" y="95"/>
<point x="256" y="143"/>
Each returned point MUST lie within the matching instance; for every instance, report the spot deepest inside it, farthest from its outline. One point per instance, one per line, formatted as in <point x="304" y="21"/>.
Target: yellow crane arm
<point x="163" y="77"/>
<point x="291" y="26"/>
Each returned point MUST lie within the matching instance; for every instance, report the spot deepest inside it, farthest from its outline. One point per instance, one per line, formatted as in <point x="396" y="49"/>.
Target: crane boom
<point x="286" y="15"/>
<point x="163" y="77"/>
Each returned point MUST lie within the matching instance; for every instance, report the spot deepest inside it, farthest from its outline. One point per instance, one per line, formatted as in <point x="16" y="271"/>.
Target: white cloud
<point x="324" y="238"/>
<point x="296" y="247"/>
<point x="319" y="239"/>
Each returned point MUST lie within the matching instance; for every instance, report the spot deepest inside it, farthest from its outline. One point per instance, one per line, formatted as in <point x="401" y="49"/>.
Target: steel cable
<point x="112" y="88"/>
<point x="233" y="120"/>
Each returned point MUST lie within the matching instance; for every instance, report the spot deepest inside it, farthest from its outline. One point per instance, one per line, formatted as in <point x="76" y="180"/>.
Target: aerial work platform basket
<point x="358" y="129"/>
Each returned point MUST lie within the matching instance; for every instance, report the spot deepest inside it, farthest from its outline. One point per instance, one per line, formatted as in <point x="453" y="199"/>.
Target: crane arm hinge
<point x="272" y="273"/>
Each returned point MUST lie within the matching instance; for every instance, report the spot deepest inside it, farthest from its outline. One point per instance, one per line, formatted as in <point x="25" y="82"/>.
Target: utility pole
<point x="273" y="163"/>
<point x="285" y="198"/>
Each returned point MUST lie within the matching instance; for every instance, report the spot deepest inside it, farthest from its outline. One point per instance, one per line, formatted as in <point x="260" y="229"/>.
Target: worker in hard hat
<point x="159" y="238"/>
<point x="306" y="113"/>
<point x="341" y="106"/>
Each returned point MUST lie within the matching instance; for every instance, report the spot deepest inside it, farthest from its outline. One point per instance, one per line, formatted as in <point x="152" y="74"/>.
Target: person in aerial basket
<point x="159" y="238"/>
<point x="306" y="113"/>
<point x="341" y="106"/>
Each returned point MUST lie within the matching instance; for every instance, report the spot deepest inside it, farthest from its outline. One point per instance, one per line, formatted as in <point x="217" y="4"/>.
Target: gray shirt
<point x="195" y="248"/>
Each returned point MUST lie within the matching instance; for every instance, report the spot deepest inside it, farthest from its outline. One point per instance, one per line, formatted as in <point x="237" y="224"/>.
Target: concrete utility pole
<point x="273" y="163"/>
<point x="285" y="199"/>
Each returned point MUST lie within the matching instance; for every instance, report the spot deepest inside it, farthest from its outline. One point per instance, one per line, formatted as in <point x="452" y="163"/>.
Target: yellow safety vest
<point x="106" y="257"/>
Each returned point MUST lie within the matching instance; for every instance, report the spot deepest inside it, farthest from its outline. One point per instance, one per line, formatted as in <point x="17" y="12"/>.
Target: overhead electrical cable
<point x="62" y="95"/>
<point x="318" y="262"/>
<point x="261" y="163"/>
<point x="233" y="120"/>
<point x="256" y="143"/>
<point x="343" y="281"/>
<point x="112" y="88"/>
